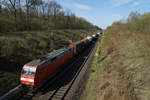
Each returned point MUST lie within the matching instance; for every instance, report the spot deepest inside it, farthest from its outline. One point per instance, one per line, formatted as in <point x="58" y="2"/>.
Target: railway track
<point x="59" y="86"/>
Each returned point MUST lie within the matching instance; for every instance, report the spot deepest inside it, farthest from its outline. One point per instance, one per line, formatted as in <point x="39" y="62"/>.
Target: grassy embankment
<point x="121" y="69"/>
<point x="18" y="48"/>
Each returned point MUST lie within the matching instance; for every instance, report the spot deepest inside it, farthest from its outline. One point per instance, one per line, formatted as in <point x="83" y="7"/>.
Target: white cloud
<point x="81" y="6"/>
<point x="136" y="4"/>
<point x="118" y="3"/>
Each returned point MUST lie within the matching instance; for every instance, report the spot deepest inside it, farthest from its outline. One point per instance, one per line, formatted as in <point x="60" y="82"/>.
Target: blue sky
<point x="104" y="12"/>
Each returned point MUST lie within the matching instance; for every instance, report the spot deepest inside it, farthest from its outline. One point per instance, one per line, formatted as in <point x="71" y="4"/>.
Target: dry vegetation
<point x="121" y="69"/>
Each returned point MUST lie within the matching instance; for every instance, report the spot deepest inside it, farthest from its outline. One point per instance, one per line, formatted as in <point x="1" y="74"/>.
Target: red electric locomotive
<point x="37" y="71"/>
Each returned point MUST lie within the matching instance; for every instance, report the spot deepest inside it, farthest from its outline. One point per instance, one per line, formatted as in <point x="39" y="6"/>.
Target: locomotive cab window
<point x="28" y="71"/>
<point x="53" y="59"/>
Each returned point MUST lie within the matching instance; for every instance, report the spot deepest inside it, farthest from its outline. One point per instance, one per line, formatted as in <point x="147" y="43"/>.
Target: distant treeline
<point x="135" y="22"/>
<point x="22" y="15"/>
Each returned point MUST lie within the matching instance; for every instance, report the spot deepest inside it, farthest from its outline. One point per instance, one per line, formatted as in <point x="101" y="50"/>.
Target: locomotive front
<point x="28" y="75"/>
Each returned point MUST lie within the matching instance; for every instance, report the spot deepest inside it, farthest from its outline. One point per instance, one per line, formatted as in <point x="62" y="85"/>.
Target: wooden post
<point x="52" y="41"/>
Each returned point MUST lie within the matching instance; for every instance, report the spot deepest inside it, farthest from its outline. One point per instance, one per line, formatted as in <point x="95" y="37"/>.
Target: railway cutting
<point x="55" y="76"/>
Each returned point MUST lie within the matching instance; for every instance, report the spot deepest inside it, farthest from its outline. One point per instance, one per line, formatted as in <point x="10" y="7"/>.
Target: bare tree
<point x="37" y="4"/>
<point x="0" y="6"/>
<point x="28" y="4"/>
<point x="44" y="9"/>
<point x="54" y="10"/>
<point x="20" y="9"/>
<point x="34" y="4"/>
<point x="13" y="9"/>
<point x="68" y="18"/>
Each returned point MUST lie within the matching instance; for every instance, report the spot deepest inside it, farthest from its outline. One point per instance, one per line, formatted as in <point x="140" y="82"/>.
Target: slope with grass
<point x="121" y="69"/>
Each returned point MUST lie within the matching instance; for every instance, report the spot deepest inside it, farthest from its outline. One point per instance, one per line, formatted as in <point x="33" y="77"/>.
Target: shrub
<point x="7" y="48"/>
<point x="42" y="44"/>
<point x="28" y="36"/>
<point x="6" y="25"/>
<point x="19" y="44"/>
<point x="35" y="24"/>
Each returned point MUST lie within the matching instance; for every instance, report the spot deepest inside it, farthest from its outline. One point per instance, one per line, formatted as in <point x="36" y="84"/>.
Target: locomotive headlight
<point x="30" y="80"/>
<point x="23" y="79"/>
<point x="26" y="79"/>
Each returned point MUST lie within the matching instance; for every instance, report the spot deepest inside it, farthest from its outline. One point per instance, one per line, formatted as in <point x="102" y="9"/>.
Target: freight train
<point x="36" y="72"/>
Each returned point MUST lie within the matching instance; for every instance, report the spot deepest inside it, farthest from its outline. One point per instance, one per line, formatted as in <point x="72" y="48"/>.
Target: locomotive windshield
<point x="28" y="71"/>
